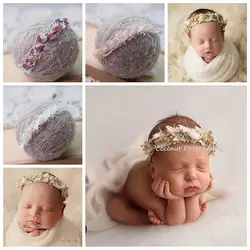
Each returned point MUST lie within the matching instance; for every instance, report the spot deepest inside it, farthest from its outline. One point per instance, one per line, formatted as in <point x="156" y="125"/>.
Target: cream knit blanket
<point x="63" y="234"/>
<point x="221" y="69"/>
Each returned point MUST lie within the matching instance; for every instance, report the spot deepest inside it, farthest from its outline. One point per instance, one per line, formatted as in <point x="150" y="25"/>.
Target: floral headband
<point x="205" y="18"/>
<point x="43" y="117"/>
<point x="45" y="177"/>
<point x="28" y="62"/>
<point x="179" y="134"/>
<point x="121" y="36"/>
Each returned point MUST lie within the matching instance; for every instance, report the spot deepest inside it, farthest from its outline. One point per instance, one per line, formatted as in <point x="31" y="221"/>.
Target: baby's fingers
<point x="167" y="192"/>
<point x="156" y="184"/>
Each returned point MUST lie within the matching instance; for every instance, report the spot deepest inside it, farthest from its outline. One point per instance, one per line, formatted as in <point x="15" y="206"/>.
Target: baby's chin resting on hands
<point x="195" y="205"/>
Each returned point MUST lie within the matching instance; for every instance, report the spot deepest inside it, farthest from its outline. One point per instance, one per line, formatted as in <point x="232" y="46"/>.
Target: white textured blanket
<point x="63" y="234"/>
<point x="113" y="175"/>
<point x="221" y="69"/>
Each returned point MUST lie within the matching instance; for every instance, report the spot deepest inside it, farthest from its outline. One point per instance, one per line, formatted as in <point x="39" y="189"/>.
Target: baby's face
<point x="188" y="172"/>
<point x="40" y="206"/>
<point x="207" y="40"/>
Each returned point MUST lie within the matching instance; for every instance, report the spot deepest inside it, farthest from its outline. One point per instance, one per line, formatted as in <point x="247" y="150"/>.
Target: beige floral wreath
<point x="45" y="177"/>
<point x="204" y="18"/>
<point x="179" y="134"/>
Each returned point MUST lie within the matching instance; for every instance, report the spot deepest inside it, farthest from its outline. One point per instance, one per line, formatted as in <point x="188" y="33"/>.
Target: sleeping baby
<point x="40" y="219"/>
<point x="210" y="57"/>
<point x="168" y="186"/>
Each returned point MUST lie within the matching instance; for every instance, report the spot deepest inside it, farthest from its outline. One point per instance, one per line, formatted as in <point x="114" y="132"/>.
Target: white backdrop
<point x="116" y="116"/>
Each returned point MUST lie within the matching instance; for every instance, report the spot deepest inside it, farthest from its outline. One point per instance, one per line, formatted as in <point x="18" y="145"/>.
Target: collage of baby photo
<point x="126" y="120"/>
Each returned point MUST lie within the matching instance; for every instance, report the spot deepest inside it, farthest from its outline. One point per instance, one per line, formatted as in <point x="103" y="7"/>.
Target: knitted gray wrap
<point x="127" y="47"/>
<point x="51" y="138"/>
<point x="58" y="58"/>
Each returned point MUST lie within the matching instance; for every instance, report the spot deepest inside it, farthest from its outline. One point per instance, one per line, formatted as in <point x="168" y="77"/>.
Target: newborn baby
<point x="207" y="38"/>
<point x="40" y="219"/>
<point x="167" y="187"/>
<point x="206" y="31"/>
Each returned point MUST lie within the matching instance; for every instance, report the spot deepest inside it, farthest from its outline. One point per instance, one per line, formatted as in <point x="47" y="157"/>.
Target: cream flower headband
<point x="205" y="18"/>
<point x="179" y="134"/>
<point x="46" y="178"/>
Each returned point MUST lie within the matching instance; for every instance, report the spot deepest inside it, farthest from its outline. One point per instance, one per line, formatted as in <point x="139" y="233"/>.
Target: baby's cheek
<point x="175" y="181"/>
<point x="22" y="215"/>
<point x="205" y="179"/>
<point x="49" y="219"/>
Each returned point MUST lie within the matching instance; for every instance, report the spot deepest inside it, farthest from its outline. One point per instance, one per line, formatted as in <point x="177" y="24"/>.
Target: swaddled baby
<point x="210" y="57"/>
<point x="168" y="186"/>
<point x="40" y="219"/>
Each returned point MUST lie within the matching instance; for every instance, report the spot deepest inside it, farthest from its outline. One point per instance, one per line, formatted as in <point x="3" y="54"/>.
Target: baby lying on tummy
<point x="206" y="31"/>
<point x="40" y="219"/>
<point x="167" y="188"/>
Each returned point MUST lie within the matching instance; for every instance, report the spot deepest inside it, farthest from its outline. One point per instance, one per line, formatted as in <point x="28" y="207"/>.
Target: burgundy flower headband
<point x="29" y="61"/>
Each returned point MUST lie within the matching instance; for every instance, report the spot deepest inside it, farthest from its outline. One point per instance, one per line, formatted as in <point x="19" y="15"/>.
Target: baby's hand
<point x="154" y="219"/>
<point x="210" y="183"/>
<point x="162" y="189"/>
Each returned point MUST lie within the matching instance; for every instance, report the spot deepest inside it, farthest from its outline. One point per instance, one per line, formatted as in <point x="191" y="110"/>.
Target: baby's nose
<point x="34" y="212"/>
<point x="191" y="175"/>
<point x="208" y="45"/>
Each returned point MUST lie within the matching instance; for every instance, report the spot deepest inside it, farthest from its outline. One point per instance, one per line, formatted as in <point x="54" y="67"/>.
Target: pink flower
<point x="65" y="20"/>
<point x="52" y="36"/>
<point x="58" y="28"/>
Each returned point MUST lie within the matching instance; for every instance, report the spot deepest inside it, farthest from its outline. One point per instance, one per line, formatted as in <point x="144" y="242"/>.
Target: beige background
<point x="70" y="176"/>
<point x="236" y="30"/>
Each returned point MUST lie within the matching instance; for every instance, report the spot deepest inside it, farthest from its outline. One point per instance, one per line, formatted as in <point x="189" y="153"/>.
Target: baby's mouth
<point x="33" y="223"/>
<point x="191" y="189"/>
<point x="208" y="57"/>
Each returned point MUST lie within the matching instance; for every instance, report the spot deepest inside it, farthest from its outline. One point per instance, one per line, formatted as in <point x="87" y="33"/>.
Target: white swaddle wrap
<point x="63" y="234"/>
<point x="220" y="69"/>
<point x="113" y="175"/>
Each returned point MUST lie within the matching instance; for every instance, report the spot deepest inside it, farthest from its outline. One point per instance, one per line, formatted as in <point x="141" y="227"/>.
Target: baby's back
<point x="137" y="187"/>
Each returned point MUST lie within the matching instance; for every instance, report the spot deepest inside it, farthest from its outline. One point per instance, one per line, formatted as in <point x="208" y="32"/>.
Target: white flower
<point x="171" y="129"/>
<point x="194" y="135"/>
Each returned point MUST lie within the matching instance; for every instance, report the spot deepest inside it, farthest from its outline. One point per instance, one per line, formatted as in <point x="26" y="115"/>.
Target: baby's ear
<point x="151" y="169"/>
<point x="63" y="207"/>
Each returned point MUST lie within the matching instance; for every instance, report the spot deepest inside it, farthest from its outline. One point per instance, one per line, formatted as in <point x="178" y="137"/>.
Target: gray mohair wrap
<point x="46" y="131"/>
<point x="127" y="47"/>
<point x="59" y="55"/>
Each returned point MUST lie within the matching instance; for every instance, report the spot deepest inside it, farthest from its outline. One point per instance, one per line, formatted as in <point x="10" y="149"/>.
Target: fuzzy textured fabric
<point x="62" y="234"/>
<point x="46" y="131"/>
<point x="127" y="47"/>
<point x="178" y="40"/>
<point x="114" y="174"/>
<point x="59" y="54"/>
<point x="221" y="69"/>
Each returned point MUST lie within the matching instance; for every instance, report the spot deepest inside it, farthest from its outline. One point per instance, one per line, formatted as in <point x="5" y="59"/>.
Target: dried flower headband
<point x="28" y="62"/>
<point x="45" y="177"/>
<point x="122" y="36"/>
<point x="179" y="134"/>
<point x="205" y="18"/>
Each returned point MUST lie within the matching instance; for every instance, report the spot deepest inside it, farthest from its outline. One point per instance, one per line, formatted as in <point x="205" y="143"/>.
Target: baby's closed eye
<point x="201" y="167"/>
<point x="47" y="209"/>
<point x="27" y="206"/>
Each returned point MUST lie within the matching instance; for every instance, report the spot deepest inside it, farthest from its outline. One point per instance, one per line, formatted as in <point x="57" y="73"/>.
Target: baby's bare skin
<point x="155" y="196"/>
<point x="168" y="187"/>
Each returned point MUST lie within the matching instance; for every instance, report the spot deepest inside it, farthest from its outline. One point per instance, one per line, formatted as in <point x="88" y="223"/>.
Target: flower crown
<point x="28" y="62"/>
<point x="205" y="18"/>
<point x="179" y="134"/>
<point x="45" y="177"/>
